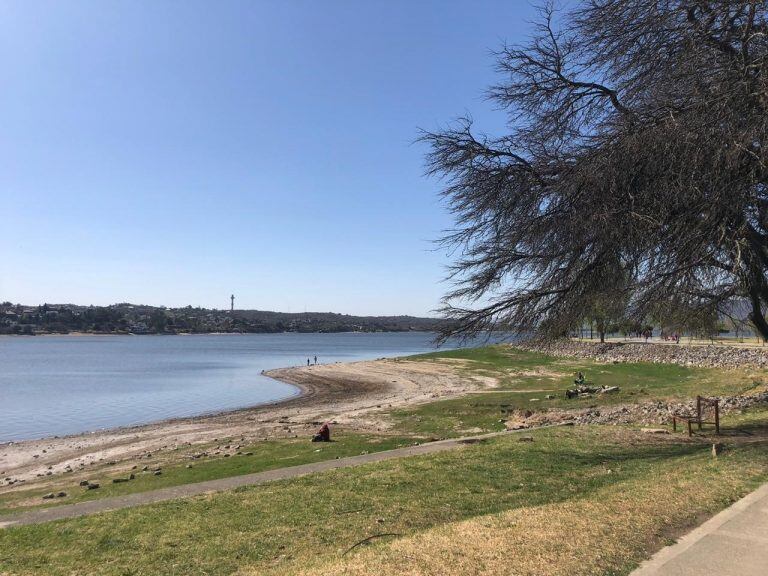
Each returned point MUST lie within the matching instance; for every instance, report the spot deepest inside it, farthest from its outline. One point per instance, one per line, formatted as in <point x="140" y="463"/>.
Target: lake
<point x="59" y="385"/>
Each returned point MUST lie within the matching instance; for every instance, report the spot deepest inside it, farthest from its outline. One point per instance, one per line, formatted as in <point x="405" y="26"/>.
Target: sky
<point x="176" y="152"/>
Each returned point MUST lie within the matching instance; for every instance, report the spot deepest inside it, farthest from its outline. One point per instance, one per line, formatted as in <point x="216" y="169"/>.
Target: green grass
<point x="280" y="527"/>
<point x="494" y="357"/>
<point x="527" y="378"/>
<point x="266" y="455"/>
<point x="522" y="370"/>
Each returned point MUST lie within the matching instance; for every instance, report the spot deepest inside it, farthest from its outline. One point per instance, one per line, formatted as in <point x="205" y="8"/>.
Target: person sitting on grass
<point x="323" y="435"/>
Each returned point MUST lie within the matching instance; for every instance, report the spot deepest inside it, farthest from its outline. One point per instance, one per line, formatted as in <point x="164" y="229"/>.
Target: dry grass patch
<point x="608" y="532"/>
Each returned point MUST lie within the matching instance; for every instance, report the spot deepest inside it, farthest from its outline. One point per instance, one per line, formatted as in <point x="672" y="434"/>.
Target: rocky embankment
<point x="703" y="356"/>
<point x="658" y="412"/>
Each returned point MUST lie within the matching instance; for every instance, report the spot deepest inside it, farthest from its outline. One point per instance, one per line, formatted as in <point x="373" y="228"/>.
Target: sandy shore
<point x="354" y="395"/>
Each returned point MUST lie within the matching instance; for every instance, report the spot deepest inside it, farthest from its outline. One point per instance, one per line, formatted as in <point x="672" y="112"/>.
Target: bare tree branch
<point x="633" y="179"/>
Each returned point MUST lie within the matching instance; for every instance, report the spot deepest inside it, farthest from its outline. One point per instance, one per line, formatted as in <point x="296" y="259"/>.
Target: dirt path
<point x="187" y="490"/>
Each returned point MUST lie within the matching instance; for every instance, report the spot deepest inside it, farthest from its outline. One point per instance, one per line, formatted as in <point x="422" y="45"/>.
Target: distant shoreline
<point x="81" y="334"/>
<point x="138" y="319"/>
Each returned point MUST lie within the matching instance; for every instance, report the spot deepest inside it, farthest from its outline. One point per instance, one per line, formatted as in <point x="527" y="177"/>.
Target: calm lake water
<point x="58" y="385"/>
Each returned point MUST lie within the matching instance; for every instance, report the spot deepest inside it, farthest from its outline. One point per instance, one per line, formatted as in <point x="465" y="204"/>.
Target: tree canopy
<point x="632" y="169"/>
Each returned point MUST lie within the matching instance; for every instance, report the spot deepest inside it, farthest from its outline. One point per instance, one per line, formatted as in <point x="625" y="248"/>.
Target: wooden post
<point x="698" y="410"/>
<point x="717" y="417"/>
<point x="690" y="432"/>
<point x="674" y="423"/>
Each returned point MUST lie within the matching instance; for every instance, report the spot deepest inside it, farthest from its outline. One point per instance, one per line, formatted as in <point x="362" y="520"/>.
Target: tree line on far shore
<point x="139" y="319"/>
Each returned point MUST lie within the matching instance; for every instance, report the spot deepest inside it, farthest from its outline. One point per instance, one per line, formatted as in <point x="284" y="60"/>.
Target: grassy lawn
<point x="266" y="455"/>
<point x="521" y="370"/>
<point x="606" y="530"/>
<point x="494" y="358"/>
<point x="488" y="508"/>
<point x="527" y="378"/>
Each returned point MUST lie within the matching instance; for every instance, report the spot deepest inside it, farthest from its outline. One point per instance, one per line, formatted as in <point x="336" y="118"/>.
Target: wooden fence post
<point x="698" y="410"/>
<point x="717" y="417"/>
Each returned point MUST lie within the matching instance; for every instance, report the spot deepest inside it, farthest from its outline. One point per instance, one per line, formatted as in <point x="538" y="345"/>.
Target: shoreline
<point x="126" y="428"/>
<point x="351" y="395"/>
<point x="83" y="334"/>
<point x="357" y="396"/>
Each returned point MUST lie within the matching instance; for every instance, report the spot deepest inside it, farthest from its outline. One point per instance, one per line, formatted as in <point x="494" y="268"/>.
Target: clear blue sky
<point x="174" y="152"/>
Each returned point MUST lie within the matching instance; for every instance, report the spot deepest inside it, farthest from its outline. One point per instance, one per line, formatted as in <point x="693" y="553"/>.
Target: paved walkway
<point x="732" y="543"/>
<point x="186" y="490"/>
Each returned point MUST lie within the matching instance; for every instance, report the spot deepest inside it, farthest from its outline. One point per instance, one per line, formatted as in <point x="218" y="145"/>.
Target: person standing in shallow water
<point x="307" y="361"/>
<point x="315" y="359"/>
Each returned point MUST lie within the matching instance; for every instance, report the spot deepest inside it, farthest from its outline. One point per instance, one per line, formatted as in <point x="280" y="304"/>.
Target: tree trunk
<point x="602" y="336"/>
<point x="757" y="317"/>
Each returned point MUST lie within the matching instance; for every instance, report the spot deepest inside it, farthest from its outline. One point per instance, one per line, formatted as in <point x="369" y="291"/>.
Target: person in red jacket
<point x="323" y="435"/>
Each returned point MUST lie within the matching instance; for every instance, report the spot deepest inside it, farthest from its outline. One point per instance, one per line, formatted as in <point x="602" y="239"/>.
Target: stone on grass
<point x="516" y="425"/>
<point x="654" y="431"/>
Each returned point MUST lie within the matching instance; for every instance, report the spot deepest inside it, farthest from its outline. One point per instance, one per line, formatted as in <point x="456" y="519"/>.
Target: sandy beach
<point x="353" y="395"/>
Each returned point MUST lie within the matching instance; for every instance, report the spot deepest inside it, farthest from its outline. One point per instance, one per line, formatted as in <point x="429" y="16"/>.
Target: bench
<point x="704" y="408"/>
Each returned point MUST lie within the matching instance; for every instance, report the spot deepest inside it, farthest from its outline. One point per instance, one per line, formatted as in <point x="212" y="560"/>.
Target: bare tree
<point x="633" y="168"/>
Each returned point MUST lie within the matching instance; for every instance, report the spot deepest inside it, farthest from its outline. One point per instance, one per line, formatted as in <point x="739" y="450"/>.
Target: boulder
<point x="654" y="431"/>
<point x="516" y="425"/>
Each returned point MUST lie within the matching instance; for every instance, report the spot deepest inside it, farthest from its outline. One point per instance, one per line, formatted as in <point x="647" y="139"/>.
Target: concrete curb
<point x="658" y="564"/>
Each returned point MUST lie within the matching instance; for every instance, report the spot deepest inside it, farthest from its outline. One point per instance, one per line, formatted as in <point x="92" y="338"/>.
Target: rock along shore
<point x="702" y="356"/>
<point x="656" y="412"/>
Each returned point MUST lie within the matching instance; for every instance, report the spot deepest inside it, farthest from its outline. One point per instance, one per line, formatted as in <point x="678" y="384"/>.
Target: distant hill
<point x="125" y="318"/>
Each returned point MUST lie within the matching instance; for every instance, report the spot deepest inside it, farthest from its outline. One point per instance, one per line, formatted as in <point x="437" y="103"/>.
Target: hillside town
<point x="128" y="318"/>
